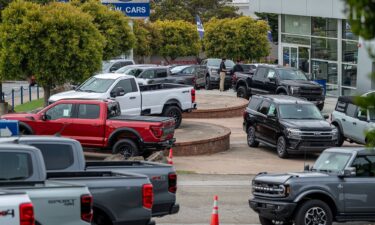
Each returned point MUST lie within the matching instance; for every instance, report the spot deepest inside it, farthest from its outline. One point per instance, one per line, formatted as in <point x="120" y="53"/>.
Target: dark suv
<point x="289" y="124"/>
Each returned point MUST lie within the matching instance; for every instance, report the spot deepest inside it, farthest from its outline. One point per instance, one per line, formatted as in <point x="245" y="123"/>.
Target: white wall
<point x="364" y="68"/>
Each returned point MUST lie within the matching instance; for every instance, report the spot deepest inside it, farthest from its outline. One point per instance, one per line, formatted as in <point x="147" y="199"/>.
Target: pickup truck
<point x="16" y="209"/>
<point x="212" y="76"/>
<point x="271" y="79"/>
<point x="66" y="155"/>
<point x="99" y="124"/>
<point x="22" y="170"/>
<point x="338" y="188"/>
<point x="156" y="99"/>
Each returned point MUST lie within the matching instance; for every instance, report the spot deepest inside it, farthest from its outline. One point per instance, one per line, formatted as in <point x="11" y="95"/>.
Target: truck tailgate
<point x="159" y="175"/>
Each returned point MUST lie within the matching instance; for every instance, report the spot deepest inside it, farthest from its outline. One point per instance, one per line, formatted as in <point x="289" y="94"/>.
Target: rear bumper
<point x="165" y="209"/>
<point x="156" y="146"/>
<point x="138" y="222"/>
<point x="280" y="211"/>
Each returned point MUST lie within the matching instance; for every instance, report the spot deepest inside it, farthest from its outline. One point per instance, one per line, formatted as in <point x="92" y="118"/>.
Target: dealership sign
<point x="132" y="8"/>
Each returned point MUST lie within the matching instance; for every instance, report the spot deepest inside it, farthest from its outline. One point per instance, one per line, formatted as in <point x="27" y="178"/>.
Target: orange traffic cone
<point x="215" y="212"/>
<point x="170" y="157"/>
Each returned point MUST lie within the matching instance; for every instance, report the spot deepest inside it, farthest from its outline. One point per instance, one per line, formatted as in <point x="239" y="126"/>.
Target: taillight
<point x="192" y="95"/>
<point x="172" y="182"/>
<point x="27" y="214"/>
<point x="86" y="208"/>
<point x="147" y="196"/>
<point x="157" y="131"/>
<point x="245" y="114"/>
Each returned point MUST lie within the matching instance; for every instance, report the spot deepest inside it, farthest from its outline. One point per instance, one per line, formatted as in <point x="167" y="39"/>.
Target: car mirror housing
<point x="349" y="172"/>
<point x="44" y="117"/>
<point x="306" y="167"/>
<point x="326" y="116"/>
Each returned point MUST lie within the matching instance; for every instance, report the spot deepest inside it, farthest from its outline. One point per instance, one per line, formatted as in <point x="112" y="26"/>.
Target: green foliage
<point x="142" y="30"/>
<point x="29" y="106"/>
<point x="188" y="9"/>
<point x="273" y="22"/>
<point x="175" y="38"/>
<point x="362" y="20"/>
<point x="240" y="38"/>
<point x="56" y="43"/>
<point x="113" y="25"/>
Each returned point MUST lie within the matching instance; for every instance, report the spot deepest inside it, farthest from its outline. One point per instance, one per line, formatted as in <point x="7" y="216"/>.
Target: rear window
<point x="56" y="156"/>
<point x="254" y="103"/>
<point x="15" y="166"/>
<point x="88" y="111"/>
<point x="341" y="107"/>
<point x="351" y="110"/>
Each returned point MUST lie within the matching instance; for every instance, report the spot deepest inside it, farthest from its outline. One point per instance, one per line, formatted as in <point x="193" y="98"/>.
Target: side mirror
<point x="272" y="79"/>
<point x="326" y="116"/>
<point x="113" y="69"/>
<point x="306" y="167"/>
<point x="119" y="91"/>
<point x="44" y="117"/>
<point x="348" y="172"/>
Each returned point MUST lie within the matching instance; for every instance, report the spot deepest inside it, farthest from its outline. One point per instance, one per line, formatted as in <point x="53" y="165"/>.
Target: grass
<point x="30" y="106"/>
<point x="181" y="172"/>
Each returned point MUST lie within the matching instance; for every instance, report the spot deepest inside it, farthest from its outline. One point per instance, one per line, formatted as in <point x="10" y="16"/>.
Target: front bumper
<point x="302" y="146"/>
<point x="158" y="145"/>
<point x="280" y="211"/>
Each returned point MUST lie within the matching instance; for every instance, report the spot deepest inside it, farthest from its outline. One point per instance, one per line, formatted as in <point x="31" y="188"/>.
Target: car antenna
<point x="58" y="134"/>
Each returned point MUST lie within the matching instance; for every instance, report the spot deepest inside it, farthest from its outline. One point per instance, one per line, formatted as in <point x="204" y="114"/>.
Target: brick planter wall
<point x="217" y="113"/>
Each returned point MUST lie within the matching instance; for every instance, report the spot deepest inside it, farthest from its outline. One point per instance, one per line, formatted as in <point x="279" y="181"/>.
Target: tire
<point x="265" y="221"/>
<point x="321" y="106"/>
<point x="176" y="113"/>
<point x="242" y="93"/>
<point x="315" y="211"/>
<point x="208" y="85"/>
<point x="251" y="142"/>
<point x="23" y="130"/>
<point x="126" y="147"/>
<point x="100" y="219"/>
<point x="281" y="147"/>
<point x="340" y="137"/>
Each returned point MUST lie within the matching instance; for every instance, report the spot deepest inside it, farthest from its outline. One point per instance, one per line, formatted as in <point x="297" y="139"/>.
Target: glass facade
<point x="330" y="51"/>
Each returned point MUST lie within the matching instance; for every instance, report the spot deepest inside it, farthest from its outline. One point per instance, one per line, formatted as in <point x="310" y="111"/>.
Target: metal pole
<point x="21" y="95"/>
<point x="12" y="99"/>
<point x="30" y="94"/>
<point x="37" y="91"/>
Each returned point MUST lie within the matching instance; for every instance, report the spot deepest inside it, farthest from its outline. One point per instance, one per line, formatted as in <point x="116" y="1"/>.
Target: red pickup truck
<point x="99" y="124"/>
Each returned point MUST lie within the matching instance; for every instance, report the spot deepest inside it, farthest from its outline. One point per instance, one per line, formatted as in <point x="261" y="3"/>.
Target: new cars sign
<point x="132" y="8"/>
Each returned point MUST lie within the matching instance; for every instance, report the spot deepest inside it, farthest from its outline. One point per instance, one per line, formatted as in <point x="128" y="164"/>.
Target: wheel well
<point x="281" y="90"/>
<point x="241" y="84"/>
<point x="322" y="197"/>
<point x="98" y="211"/>
<point x="337" y="125"/>
<point x="172" y="102"/>
<point x="126" y="134"/>
<point x="26" y="127"/>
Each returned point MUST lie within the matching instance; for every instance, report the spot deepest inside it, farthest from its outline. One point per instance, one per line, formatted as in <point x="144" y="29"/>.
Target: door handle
<point x="132" y="98"/>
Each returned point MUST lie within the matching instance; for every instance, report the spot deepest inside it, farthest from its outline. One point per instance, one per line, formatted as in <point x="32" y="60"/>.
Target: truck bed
<point x="163" y="86"/>
<point x="141" y="118"/>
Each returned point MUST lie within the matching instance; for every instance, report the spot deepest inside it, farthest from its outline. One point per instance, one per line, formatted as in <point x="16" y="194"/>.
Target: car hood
<point x="282" y="178"/>
<point x="300" y="83"/>
<point x="311" y="125"/>
<point x="76" y="94"/>
<point x="19" y="116"/>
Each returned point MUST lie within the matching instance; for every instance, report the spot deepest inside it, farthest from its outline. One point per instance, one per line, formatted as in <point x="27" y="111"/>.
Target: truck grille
<point x="268" y="190"/>
<point x="316" y="135"/>
<point x="311" y="94"/>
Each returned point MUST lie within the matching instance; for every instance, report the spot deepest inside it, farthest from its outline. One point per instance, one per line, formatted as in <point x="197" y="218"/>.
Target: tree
<point x="56" y="43"/>
<point x="362" y="20"/>
<point x="241" y="38"/>
<point x="273" y="22"/>
<point x="188" y="9"/>
<point x="113" y="25"/>
<point x="142" y="30"/>
<point x="177" y="38"/>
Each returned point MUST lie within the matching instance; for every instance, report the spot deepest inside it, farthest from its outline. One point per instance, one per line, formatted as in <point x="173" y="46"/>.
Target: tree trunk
<point x="47" y="93"/>
<point x="1" y="93"/>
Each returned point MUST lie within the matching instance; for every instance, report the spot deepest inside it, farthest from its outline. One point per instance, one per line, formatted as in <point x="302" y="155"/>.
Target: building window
<point x="295" y="39"/>
<point x="347" y="31"/>
<point x="322" y="48"/>
<point x="350" y="52"/>
<point x="323" y="27"/>
<point x="349" y="75"/>
<point x="296" y="24"/>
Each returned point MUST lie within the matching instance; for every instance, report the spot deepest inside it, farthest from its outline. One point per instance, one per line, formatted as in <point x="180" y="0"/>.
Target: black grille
<point x="265" y="189"/>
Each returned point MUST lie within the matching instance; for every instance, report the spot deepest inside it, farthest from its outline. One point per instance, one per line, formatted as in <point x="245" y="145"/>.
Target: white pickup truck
<point x="15" y="208"/>
<point x="168" y="100"/>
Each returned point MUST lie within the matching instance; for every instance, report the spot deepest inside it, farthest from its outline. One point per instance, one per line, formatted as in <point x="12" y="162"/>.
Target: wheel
<point x="242" y="93"/>
<point x="281" y="147"/>
<point x="100" y="219"/>
<point x="24" y="130"/>
<point x="321" y="106"/>
<point x="314" y="212"/>
<point x="265" y="221"/>
<point x="176" y="113"/>
<point x="126" y="147"/>
<point x="251" y="142"/>
<point x="208" y="85"/>
<point x="340" y="136"/>
<point x="282" y="93"/>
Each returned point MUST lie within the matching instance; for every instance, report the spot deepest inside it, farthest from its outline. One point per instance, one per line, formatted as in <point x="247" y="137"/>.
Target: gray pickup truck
<point x="119" y="198"/>
<point x="338" y="188"/>
<point x="58" y="151"/>
<point x="22" y="170"/>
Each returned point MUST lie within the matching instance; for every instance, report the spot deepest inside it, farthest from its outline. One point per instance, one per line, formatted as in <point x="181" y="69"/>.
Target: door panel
<point x="130" y="103"/>
<point x="58" y="120"/>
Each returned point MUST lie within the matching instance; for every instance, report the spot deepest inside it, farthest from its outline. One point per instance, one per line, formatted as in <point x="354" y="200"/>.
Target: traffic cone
<point x="215" y="212"/>
<point x="170" y="157"/>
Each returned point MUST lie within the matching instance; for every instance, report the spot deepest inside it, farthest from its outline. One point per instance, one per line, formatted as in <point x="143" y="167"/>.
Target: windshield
<point x="216" y="63"/>
<point x="106" y="65"/>
<point x="331" y="162"/>
<point x="178" y="69"/>
<point x="290" y="74"/>
<point x="96" y="85"/>
<point x="124" y="69"/>
<point x="300" y="112"/>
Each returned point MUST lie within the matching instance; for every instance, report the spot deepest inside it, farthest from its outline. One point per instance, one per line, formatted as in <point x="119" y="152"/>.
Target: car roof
<point x="284" y="99"/>
<point x="350" y="150"/>
<point x="44" y="138"/>
<point x="113" y="76"/>
<point x="12" y="146"/>
<point x="84" y="100"/>
<point x="347" y="99"/>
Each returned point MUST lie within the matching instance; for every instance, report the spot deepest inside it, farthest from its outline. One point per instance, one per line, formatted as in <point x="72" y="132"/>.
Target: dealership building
<point x="315" y="36"/>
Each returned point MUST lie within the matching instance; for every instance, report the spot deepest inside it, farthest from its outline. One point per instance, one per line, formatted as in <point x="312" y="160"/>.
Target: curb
<point x="216" y="113"/>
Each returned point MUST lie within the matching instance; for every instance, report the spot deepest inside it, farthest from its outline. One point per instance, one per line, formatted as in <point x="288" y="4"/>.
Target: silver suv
<point x="352" y="121"/>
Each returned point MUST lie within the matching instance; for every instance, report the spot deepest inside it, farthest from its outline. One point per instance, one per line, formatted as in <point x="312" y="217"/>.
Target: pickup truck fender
<point x="282" y="89"/>
<point x="242" y="82"/>
<point x="112" y="138"/>
<point x="172" y="102"/>
<point x="26" y="127"/>
<point x="338" y="124"/>
<point x="104" y="210"/>
<point x="319" y="194"/>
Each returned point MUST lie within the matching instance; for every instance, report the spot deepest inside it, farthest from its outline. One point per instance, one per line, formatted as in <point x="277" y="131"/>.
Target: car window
<point x="148" y="74"/>
<point x="15" y="166"/>
<point x="115" y="66"/>
<point x="362" y="113"/>
<point x="60" y="111"/>
<point x="161" y="73"/>
<point x="271" y="74"/>
<point x="128" y="85"/>
<point x="331" y="162"/>
<point x="272" y="111"/>
<point x="254" y="103"/>
<point x="134" y="72"/>
<point x="261" y="73"/>
<point x="188" y="70"/>
<point x="365" y="166"/>
<point x="126" y="63"/>
<point x="88" y="111"/>
<point x="351" y="110"/>
<point x="264" y="107"/>
<point x="300" y="112"/>
<point x="56" y="156"/>
<point x="341" y="107"/>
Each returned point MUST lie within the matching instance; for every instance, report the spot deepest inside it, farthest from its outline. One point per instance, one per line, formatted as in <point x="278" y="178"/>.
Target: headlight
<point x="293" y="133"/>
<point x="294" y="90"/>
<point x="335" y="133"/>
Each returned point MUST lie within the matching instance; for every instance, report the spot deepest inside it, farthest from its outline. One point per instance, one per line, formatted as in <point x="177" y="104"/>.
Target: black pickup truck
<point x="272" y="79"/>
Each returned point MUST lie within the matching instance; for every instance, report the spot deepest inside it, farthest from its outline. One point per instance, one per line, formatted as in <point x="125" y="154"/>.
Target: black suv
<point x="289" y="124"/>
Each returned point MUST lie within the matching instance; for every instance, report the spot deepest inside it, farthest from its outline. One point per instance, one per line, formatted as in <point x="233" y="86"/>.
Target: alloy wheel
<point x="315" y="216"/>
